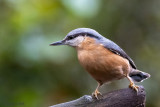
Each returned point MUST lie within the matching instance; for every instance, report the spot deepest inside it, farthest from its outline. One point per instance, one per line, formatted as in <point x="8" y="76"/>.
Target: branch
<point x="120" y="98"/>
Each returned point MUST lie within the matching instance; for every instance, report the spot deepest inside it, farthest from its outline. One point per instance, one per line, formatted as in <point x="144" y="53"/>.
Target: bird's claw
<point x="133" y="86"/>
<point x="97" y="95"/>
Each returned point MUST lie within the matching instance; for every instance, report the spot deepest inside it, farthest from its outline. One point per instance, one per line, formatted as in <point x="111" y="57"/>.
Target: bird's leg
<point x="96" y="93"/>
<point x="132" y="85"/>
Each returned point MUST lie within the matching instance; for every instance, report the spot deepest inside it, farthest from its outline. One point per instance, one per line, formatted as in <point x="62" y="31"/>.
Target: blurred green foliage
<point x="33" y="74"/>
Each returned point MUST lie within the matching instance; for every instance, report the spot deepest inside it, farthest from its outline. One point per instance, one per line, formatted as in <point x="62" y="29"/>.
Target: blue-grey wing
<point x="113" y="47"/>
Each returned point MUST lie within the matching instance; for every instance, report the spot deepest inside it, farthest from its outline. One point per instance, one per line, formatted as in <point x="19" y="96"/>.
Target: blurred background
<point x="34" y="74"/>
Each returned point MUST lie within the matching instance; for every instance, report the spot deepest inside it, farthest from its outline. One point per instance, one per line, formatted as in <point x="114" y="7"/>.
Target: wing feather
<point x="117" y="50"/>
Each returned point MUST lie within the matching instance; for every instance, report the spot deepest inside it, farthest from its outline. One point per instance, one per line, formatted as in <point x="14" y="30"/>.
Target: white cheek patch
<point x="76" y="41"/>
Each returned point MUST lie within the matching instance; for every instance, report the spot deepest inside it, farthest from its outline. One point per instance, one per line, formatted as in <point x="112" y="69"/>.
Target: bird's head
<point x="77" y="36"/>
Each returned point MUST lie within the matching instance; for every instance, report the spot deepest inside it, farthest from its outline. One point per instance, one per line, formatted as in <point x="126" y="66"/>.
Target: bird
<point x="103" y="59"/>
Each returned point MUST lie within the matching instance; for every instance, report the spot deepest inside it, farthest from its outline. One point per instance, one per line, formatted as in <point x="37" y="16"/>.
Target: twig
<point x="120" y="98"/>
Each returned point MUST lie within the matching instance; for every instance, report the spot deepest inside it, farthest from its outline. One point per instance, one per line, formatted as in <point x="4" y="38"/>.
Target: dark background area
<point x="34" y="74"/>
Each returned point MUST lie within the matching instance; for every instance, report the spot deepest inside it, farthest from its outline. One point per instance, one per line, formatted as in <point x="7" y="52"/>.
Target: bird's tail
<point x="138" y="76"/>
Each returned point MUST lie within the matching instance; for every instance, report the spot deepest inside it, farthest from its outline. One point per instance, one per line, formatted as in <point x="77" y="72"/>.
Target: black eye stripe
<point x="90" y="35"/>
<point x="71" y="37"/>
<point x="82" y="34"/>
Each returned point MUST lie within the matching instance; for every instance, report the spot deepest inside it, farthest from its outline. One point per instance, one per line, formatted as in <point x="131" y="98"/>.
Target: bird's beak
<point x="57" y="43"/>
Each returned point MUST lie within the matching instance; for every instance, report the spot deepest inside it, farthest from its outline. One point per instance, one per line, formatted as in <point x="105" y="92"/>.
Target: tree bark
<point x="120" y="98"/>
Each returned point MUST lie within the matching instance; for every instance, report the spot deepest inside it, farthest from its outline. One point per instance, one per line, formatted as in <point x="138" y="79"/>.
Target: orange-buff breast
<point x="101" y="63"/>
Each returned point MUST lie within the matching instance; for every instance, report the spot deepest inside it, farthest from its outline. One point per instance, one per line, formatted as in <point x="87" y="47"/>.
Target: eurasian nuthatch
<point x="102" y="58"/>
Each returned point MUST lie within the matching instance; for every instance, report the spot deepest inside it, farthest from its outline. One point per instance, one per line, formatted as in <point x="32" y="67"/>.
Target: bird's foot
<point x="133" y="86"/>
<point x="97" y="95"/>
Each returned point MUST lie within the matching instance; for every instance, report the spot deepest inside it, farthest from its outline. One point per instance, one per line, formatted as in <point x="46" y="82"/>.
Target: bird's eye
<point x="70" y="37"/>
